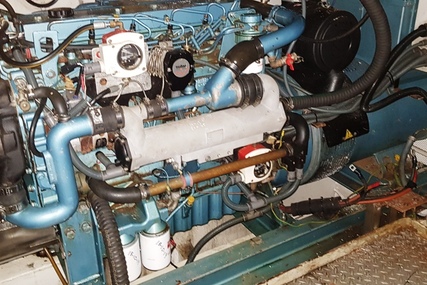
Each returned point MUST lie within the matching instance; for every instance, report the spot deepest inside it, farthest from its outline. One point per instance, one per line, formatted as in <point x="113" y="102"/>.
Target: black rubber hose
<point x="377" y="67"/>
<point x="109" y="173"/>
<point x="113" y="194"/>
<point x="421" y="31"/>
<point x="111" y="237"/>
<point x="38" y="62"/>
<point x="32" y="131"/>
<point x="57" y="100"/>
<point x="397" y="96"/>
<point x="39" y="5"/>
<point x="230" y="223"/>
<point x="242" y="55"/>
<point x="302" y="131"/>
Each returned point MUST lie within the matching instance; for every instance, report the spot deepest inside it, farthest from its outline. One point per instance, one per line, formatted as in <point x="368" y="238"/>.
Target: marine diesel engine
<point x="125" y="122"/>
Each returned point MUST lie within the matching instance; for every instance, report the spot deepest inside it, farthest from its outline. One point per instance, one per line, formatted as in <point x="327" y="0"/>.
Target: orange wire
<point x="387" y="198"/>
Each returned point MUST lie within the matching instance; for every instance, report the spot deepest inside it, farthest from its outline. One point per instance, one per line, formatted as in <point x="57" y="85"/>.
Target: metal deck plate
<point x="394" y="254"/>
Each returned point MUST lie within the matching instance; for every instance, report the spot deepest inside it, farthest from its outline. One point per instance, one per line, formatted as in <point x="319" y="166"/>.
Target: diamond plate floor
<point x="396" y="258"/>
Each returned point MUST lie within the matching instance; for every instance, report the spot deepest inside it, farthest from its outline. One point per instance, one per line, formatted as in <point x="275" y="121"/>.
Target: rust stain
<point x="86" y="144"/>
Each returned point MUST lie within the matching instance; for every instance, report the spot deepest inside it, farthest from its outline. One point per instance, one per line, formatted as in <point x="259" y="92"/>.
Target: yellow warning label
<point x="348" y="135"/>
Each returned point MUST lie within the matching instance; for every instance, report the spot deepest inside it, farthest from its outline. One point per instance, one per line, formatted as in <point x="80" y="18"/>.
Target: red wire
<point x="393" y="196"/>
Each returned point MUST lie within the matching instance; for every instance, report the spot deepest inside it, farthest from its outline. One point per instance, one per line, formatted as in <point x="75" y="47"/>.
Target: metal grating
<point x="393" y="257"/>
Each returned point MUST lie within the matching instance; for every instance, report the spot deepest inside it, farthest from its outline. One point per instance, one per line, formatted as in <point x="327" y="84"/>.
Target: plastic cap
<point x="190" y="200"/>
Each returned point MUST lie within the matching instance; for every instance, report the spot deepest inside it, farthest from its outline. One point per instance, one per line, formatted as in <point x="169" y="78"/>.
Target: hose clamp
<point x="97" y="120"/>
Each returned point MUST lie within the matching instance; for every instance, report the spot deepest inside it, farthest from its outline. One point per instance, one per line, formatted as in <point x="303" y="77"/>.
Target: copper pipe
<point x="55" y="267"/>
<point x="179" y="182"/>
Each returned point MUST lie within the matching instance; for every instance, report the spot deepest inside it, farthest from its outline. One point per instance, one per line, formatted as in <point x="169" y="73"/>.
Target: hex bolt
<point x="86" y="227"/>
<point x="50" y="74"/>
<point x="70" y="233"/>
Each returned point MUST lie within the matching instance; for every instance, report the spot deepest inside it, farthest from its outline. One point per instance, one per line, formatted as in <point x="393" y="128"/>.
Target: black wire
<point x="171" y="263"/>
<point x="31" y="134"/>
<point x="346" y="34"/>
<point x="99" y="96"/>
<point x="79" y="80"/>
<point x="421" y="31"/>
<point x="228" y="224"/>
<point x="48" y="46"/>
<point x="204" y="240"/>
<point x="38" y="5"/>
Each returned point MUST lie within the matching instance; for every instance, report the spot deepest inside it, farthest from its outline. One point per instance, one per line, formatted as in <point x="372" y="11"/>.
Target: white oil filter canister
<point x="155" y="248"/>
<point x="132" y="254"/>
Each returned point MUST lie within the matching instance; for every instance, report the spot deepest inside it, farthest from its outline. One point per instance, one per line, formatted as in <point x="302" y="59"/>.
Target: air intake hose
<point x="246" y="52"/>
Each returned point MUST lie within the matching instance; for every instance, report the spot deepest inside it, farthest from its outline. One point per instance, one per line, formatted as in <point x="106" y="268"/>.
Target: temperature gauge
<point x="129" y="56"/>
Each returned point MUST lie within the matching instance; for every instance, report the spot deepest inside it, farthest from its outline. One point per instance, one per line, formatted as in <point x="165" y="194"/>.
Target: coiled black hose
<point x="111" y="237"/>
<point x="377" y="67"/>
